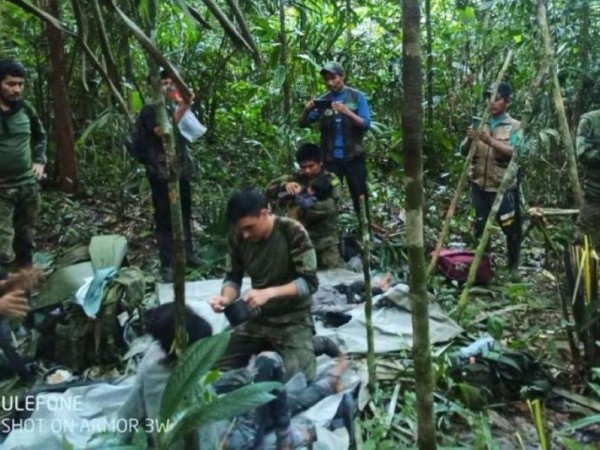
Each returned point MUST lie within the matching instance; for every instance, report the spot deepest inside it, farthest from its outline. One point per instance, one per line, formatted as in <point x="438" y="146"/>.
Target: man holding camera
<point x="344" y="117"/>
<point x="280" y="259"/>
<point x="588" y="152"/>
<point x="499" y="140"/>
<point x="322" y="225"/>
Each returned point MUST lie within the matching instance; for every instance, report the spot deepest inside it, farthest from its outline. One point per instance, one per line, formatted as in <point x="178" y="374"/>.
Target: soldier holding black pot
<point x="280" y="259"/>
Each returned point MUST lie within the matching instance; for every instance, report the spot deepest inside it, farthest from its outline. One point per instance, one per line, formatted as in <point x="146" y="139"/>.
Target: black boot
<point x="513" y="253"/>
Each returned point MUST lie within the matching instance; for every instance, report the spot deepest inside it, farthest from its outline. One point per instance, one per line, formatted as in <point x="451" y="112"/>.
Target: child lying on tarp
<point x="248" y="430"/>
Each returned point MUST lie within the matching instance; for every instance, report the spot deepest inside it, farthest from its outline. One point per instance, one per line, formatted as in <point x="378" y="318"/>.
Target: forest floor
<point x="523" y="316"/>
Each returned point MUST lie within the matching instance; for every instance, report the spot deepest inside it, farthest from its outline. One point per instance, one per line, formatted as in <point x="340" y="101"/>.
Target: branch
<point x="153" y="52"/>
<point x="239" y="17"/>
<point x="43" y="15"/>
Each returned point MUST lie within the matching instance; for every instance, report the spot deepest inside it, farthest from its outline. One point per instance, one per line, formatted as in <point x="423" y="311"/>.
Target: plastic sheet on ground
<point x="393" y="331"/>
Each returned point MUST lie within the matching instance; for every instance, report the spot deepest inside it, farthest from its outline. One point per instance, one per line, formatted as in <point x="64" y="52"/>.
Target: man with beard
<point x="22" y="161"/>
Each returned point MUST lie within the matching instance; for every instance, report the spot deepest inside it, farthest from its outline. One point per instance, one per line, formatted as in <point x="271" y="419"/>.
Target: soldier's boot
<point x="325" y="346"/>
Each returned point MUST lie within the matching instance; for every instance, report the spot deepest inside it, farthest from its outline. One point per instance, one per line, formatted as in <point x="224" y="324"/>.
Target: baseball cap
<point x="503" y="91"/>
<point x="332" y="67"/>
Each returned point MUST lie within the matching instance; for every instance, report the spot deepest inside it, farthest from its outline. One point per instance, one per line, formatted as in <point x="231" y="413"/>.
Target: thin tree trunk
<point x="111" y="66"/>
<point x="365" y="254"/>
<point x="412" y="147"/>
<point x="429" y="56"/>
<point x="65" y="143"/>
<point x="563" y="125"/>
<point x="286" y="88"/>
<point x="584" y="53"/>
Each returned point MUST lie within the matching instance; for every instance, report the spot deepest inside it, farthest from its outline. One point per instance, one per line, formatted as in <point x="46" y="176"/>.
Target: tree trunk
<point x="412" y="147"/>
<point x="65" y="143"/>
<point x="429" y="56"/>
<point x="286" y="88"/>
<point x="365" y="255"/>
<point x="563" y="125"/>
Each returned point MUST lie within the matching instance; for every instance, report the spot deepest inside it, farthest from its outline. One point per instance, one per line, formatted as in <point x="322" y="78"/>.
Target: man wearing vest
<point x="500" y="139"/>
<point x="344" y="117"/>
<point x="279" y="257"/>
<point x="22" y="162"/>
<point x="322" y="222"/>
<point x="588" y="152"/>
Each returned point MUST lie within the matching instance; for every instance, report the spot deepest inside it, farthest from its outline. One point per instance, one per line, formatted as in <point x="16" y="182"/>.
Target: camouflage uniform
<point x="320" y="220"/>
<point x="22" y="143"/>
<point x="588" y="152"/>
<point x="285" y="324"/>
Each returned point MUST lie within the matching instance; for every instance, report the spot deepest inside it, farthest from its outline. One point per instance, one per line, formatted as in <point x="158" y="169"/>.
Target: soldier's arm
<point x="277" y="185"/>
<point x="38" y="138"/>
<point x="234" y="270"/>
<point x="588" y="148"/>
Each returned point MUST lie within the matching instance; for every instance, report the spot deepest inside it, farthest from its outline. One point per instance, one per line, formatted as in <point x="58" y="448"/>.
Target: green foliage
<point x="187" y="405"/>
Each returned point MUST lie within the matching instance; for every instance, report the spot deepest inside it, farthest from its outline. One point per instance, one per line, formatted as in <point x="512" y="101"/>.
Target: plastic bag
<point x="190" y="127"/>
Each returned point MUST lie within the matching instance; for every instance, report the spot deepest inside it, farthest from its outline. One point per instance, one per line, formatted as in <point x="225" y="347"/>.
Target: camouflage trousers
<point x="18" y="214"/>
<point x="328" y="252"/>
<point x="292" y="342"/>
<point x="588" y="223"/>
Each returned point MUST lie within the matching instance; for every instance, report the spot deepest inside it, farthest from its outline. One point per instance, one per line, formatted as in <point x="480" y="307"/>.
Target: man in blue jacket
<point x="344" y="117"/>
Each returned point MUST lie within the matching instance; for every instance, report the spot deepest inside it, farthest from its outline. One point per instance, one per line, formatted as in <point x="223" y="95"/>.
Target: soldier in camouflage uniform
<point x="321" y="218"/>
<point x="588" y="152"/>
<point x="22" y="161"/>
<point x="280" y="259"/>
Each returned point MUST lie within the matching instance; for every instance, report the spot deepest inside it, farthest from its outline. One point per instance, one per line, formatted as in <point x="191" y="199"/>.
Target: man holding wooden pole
<point x="496" y="141"/>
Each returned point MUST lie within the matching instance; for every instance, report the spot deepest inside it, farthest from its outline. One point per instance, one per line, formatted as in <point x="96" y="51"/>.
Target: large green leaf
<point x="224" y="407"/>
<point x="195" y="361"/>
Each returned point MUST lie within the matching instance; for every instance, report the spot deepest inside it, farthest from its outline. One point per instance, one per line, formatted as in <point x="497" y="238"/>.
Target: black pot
<point x="238" y="312"/>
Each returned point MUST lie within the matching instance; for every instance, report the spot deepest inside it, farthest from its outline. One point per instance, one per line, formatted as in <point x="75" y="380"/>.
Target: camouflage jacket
<point x="321" y="222"/>
<point x="588" y="152"/>
<point x="286" y="255"/>
<point x="276" y="188"/>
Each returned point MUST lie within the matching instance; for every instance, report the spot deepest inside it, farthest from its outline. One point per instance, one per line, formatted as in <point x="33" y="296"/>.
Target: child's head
<point x="320" y="187"/>
<point x="160" y="324"/>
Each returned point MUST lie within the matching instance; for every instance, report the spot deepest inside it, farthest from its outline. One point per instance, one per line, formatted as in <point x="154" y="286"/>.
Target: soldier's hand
<point x="14" y="304"/>
<point x="309" y="105"/>
<point x="293" y="188"/>
<point x="218" y="303"/>
<point x="258" y="297"/>
<point x="471" y="133"/>
<point x="38" y="170"/>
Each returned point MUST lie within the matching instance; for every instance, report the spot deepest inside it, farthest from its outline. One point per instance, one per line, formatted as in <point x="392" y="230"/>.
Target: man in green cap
<point x="499" y="140"/>
<point x="344" y="117"/>
<point x="588" y="152"/>
<point x="22" y="162"/>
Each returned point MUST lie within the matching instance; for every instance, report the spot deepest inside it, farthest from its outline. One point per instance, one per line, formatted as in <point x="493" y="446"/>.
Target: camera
<point x="322" y="104"/>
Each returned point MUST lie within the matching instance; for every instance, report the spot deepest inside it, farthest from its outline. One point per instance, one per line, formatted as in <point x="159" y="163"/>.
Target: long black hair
<point x="160" y="324"/>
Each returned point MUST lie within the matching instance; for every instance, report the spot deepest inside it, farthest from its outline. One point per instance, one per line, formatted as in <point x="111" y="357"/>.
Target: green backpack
<point x="500" y="374"/>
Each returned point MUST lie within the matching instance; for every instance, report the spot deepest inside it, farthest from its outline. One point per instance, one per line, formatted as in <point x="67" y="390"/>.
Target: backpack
<point x="136" y="141"/>
<point x="455" y="265"/>
<point x="499" y="374"/>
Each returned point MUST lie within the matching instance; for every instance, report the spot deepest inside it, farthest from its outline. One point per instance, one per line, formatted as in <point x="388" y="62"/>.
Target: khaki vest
<point x="486" y="170"/>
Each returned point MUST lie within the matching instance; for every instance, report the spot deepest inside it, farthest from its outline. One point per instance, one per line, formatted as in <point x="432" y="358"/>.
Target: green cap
<point x="332" y="67"/>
